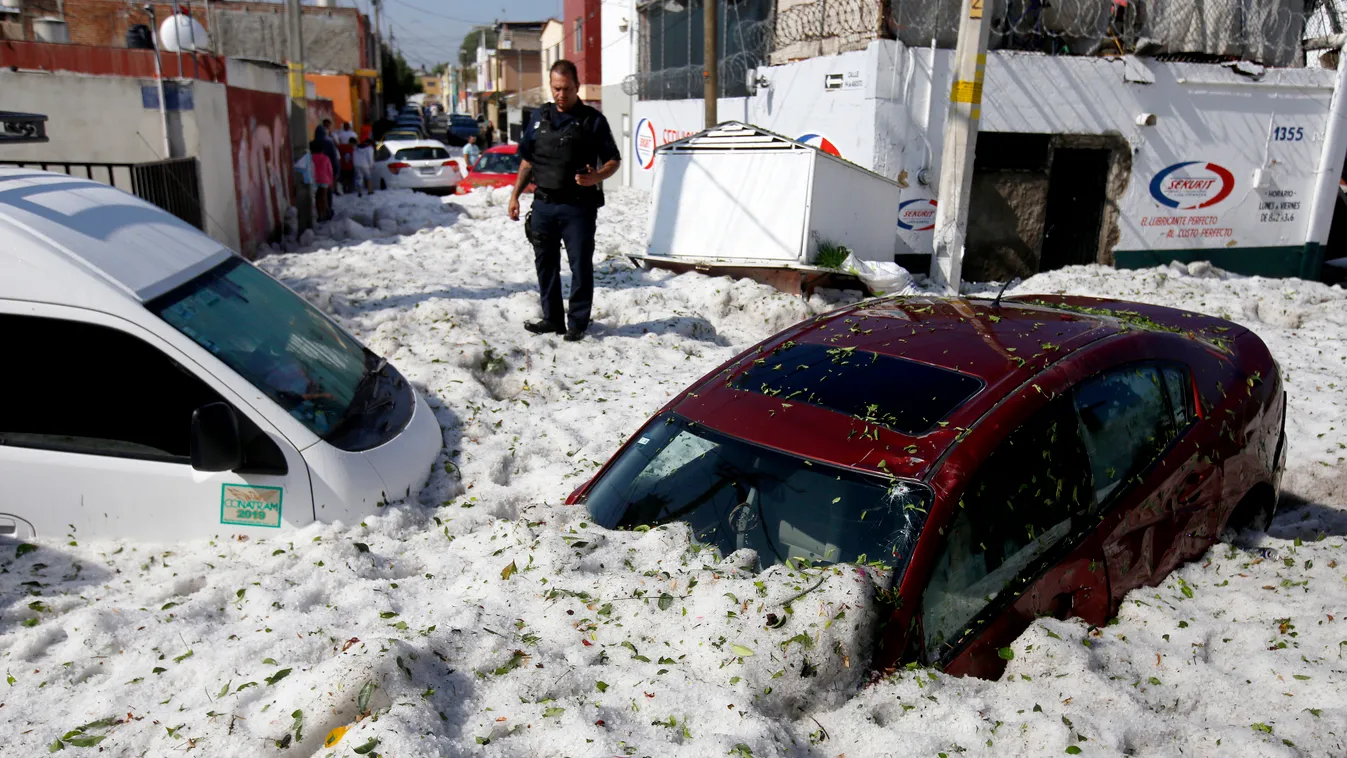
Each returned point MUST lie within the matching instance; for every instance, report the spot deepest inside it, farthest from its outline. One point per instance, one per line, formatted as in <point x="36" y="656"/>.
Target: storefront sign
<point x="1192" y="185"/>
<point x="917" y="215"/>
<point x="820" y="142"/>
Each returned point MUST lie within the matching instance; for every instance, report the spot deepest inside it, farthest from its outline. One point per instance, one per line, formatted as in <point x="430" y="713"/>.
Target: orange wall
<point x="346" y="105"/>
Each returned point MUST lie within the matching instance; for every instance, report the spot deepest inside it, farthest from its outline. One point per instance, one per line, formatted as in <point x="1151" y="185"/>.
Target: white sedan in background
<point x="416" y="164"/>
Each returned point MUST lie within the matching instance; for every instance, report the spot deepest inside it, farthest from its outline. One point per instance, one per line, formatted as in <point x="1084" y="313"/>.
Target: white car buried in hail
<point x="417" y="165"/>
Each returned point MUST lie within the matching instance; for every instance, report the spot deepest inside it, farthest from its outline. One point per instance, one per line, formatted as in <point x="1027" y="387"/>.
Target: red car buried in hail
<point x="1003" y="460"/>
<point x="497" y="167"/>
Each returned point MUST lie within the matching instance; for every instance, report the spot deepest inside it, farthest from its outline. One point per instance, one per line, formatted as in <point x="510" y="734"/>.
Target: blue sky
<point x="429" y="31"/>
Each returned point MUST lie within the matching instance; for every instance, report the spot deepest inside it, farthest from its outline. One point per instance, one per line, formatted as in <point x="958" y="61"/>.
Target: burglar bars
<point x="174" y="185"/>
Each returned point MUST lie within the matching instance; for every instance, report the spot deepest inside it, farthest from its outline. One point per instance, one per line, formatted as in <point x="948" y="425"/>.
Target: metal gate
<point x="174" y="185"/>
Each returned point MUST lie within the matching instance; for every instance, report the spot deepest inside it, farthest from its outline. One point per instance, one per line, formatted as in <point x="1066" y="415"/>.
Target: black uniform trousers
<point x="551" y="224"/>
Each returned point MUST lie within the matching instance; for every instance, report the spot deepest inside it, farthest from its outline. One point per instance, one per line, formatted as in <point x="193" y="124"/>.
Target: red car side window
<point x="1126" y="421"/>
<point x="1017" y="507"/>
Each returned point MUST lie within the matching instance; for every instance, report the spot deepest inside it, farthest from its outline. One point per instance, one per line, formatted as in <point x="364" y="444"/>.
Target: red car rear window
<point x="902" y="395"/>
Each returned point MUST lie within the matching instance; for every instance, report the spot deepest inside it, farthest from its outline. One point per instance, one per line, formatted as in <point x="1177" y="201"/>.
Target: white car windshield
<point x="274" y="339"/>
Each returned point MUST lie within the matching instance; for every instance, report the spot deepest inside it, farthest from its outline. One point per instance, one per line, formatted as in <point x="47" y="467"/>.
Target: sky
<point x="429" y="31"/>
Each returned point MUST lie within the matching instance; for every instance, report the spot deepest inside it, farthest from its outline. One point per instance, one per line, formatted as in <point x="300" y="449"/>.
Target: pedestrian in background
<point x="567" y="150"/>
<point x="322" y="180"/>
<point x="347" y="152"/>
<point x="471" y="152"/>
<point x="364" y="164"/>
<point x="329" y="144"/>
<point x="346" y="134"/>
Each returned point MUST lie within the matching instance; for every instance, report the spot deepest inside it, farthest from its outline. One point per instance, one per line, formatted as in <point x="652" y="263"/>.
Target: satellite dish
<point x="181" y="33"/>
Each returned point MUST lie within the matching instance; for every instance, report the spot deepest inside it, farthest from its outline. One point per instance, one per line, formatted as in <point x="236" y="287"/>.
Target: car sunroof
<point x="902" y="395"/>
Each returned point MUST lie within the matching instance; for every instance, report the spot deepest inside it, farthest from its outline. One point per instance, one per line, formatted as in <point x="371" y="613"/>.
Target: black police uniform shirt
<point x="560" y="145"/>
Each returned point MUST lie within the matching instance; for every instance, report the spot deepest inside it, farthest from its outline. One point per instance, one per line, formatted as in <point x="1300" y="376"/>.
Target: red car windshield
<point x="736" y="495"/>
<point x="497" y="163"/>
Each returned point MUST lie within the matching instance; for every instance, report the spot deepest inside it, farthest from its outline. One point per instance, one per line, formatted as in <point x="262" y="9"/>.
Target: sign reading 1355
<point x="1288" y="133"/>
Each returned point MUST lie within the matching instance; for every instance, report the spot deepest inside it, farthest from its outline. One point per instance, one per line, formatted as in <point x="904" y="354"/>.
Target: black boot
<point x="544" y="327"/>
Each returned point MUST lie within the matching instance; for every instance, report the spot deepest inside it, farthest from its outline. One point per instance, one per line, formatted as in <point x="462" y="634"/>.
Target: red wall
<point x="590" y="59"/>
<point x="107" y="61"/>
<point x="259" y="136"/>
<point x="318" y="110"/>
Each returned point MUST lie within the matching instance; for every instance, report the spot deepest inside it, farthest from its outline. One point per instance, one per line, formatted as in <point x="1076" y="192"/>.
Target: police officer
<point x="567" y="150"/>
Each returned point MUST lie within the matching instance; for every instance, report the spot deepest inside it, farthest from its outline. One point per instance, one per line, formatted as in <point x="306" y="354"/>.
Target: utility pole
<point x="710" y="9"/>
<point x="378" y="62"/>
<point x="961" y="136"/>
<point x="159" y="80"/>
<point x="299" y="108"/>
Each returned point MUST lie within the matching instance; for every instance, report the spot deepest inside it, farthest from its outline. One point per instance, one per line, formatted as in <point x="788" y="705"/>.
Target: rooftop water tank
<point x="182" y="33"/>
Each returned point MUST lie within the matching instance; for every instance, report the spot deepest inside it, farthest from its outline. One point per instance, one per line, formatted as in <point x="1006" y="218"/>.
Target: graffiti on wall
<point x="259" y="136"/>
<point x="318" y="110"/>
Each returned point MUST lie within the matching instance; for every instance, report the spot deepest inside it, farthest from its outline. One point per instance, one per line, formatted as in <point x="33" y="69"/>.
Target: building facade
<point x="1133" y="142"/>
<point x="552" y="39"/>
<point x="583" y="20"/>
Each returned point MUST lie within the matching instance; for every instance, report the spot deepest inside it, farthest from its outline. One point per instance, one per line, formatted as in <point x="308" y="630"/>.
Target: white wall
<point x="619" y="51"/>
<point x="619" y="61"/>
<point x="102" y="119"/>
<point x="795" y="105"/>
<point x="206" y="135"/>
<point x="257" y="76"/>
<point x="889" y="113"/>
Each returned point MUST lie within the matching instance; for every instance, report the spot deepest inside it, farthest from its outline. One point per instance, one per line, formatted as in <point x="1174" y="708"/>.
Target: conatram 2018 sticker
<point x="250" y="505"/>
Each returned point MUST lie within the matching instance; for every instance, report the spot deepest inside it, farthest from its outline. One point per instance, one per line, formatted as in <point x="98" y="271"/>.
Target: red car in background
<point x="497" y="167"/>
<point x="1000" y="460"/>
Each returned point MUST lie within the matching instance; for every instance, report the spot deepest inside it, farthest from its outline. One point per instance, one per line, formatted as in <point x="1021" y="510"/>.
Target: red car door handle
<point x="1061" y="605"/>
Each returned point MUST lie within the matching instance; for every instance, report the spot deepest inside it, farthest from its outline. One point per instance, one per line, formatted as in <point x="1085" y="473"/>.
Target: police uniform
<point x="559" y="146"/>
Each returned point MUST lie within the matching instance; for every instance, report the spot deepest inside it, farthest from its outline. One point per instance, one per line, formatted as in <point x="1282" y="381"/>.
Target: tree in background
<point x="439" y="69"/>
<point x="399" y="79"/>
<point x="467" y="49"/>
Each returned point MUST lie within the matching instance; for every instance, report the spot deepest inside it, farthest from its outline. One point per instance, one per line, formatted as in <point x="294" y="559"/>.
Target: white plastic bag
<point x="882" y="277"/>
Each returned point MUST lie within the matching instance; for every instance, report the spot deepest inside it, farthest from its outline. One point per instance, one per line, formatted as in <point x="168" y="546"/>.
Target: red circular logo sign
<point x="917" y="215"/>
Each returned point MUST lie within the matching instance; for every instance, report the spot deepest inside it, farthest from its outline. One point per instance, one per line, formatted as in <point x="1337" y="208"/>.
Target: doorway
<point x="1074" y="214"/>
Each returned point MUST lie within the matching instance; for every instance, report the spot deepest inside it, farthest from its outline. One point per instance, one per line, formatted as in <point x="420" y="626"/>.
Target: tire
<point x="383" y="184"/>
<point x="1254" y="512"/>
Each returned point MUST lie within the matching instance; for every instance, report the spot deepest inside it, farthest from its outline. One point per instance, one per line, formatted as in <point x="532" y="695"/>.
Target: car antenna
<point x="997" y="302"/>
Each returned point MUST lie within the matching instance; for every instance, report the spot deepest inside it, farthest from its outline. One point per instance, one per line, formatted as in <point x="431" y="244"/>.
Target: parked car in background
<point x="416" y="164"/>
<point x="439" y="128"/>
<point x="999" y="461"/>
<point x="497" y="167"/>
<point x="248" y="410"/>
<point x="401" y="134"/>
<point x="461" y="127"/>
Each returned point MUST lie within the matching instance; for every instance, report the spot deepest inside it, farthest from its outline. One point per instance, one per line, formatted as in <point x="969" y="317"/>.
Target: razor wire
<point x="1269" y="32"/>
<point x="670" y="72"/>
<point x="759" y="32"/>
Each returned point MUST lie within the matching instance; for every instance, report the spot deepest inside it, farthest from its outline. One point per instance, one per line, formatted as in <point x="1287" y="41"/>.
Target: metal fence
<point x="174" y="185"/>
<point x="1270" y="32"/>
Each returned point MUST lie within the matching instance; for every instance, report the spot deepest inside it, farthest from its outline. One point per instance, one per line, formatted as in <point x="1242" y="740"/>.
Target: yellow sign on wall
<point x="297" y="89"/>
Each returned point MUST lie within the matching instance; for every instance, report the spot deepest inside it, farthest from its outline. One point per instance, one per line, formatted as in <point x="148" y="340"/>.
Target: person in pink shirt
<point x="322" y="178"/>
